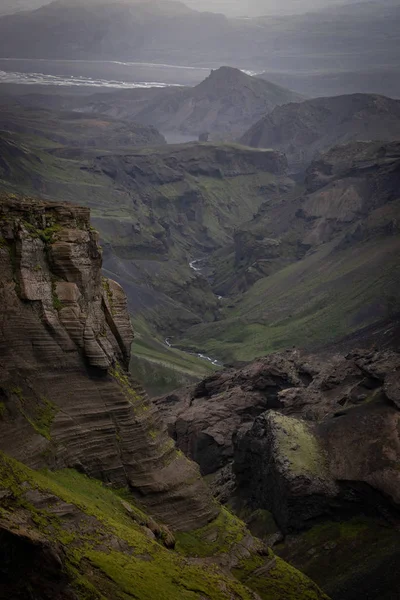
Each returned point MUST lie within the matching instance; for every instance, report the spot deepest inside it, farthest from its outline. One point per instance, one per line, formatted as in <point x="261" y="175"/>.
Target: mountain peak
<point x="225" y="77"/>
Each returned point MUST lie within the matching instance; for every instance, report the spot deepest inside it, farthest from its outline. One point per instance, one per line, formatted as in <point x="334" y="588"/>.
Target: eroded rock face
<point x="307" y="437"/>
<point x="282" y="463"/>
<point x="203" y="419"/>
<point x="65" y="337"/>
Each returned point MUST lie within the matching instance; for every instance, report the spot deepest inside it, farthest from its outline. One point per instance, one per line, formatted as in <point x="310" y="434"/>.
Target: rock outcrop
<point x="297" y="458"/>
<point x="65" y="339"/>
<point x="204" y="419"/>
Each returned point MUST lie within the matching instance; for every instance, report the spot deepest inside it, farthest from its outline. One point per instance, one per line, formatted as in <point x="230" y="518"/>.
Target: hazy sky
<point x="258" y="7"/>
<point x="229" y="7"/>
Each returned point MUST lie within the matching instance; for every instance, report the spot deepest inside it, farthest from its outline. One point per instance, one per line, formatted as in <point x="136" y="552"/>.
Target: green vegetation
<point x="260" y="522"/>
<point x="218" y="537"/>
<point x="162" y="369"/>
<point x="47" y="235"/>
<point x="146" y="571"/>
<point x="297" y="447"/>
<point x="57" y="304"/>
<point x="277" y="581"/>
<point x="39" y="412"/>
<point x="308" y="303"/>
<point x="336" y="554"/>
<point x="44" y="417"/>
<point x="132" y="393"/>
<point x="106" y="287"/>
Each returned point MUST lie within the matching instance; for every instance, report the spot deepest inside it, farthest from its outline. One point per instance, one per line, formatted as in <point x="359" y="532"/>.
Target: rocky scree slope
<point x="224" y="105"/>
<point x="306" y="448"/>
<point x="70" y="414"/>
<point x="315" y="267"/>
<point x="302" y="131"/>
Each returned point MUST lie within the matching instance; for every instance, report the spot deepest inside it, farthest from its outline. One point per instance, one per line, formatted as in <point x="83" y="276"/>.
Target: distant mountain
<point x="224" y="105"/>
<point x="361" y="37"/>
<point x="254" y="8"/>
<point x="9" y="7"/>
<point x="304" y="129"/>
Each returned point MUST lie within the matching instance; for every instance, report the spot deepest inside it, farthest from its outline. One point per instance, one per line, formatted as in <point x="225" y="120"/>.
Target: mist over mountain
<point x="232" y="8"/>
<point x="199" y="300"/>
<point x="223" y="106"/>
<point x="360" y="37"/>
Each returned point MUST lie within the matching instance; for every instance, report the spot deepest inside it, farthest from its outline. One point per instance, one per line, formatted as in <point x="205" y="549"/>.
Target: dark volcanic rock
<point x="298" y="429"/>
<point x="204" y="419"/>
<point x="31" y="565"/>
<point x="281" y="466"/>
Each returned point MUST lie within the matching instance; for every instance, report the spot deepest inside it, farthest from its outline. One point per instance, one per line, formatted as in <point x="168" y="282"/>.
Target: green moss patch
<point x="297" y="445"/>
<point x="40" y="413"/>
<point x="218" y="537"/>
<point x="339" y="555"/>
<point x="276" y="580"/>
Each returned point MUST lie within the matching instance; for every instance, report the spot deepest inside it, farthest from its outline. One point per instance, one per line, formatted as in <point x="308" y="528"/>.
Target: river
<point x="98" y="74"/>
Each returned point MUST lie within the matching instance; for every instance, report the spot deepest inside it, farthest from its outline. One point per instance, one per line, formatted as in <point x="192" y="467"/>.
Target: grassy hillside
<point x="316" y="268"/>
<point x="318" y="300"/>
<point x="162" y="368"/>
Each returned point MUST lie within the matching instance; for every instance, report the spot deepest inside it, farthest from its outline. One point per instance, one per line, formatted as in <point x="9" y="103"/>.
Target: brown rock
<point x="65" y="338"/>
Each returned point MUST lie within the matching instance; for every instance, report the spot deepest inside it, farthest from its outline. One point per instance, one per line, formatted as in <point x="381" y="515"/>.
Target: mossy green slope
<point x="106" y="548"/>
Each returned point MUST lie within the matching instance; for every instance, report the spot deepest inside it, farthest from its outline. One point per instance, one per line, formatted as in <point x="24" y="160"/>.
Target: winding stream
<point x="167" y="341"/>
<point x="213" y="361"/>
<point x="193" y="264"/>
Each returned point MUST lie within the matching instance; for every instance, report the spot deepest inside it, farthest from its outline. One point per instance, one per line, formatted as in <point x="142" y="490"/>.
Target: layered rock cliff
<point x="95" y="500"/>
<point x="65" y="342"/>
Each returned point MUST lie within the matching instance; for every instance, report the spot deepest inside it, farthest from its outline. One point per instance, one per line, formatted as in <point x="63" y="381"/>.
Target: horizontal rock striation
<point x="65" y="337"/>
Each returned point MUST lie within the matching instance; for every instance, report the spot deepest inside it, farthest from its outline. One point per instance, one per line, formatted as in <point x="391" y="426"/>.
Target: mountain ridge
<point x="224" y="105"/>
<point x="303" y="130"/>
